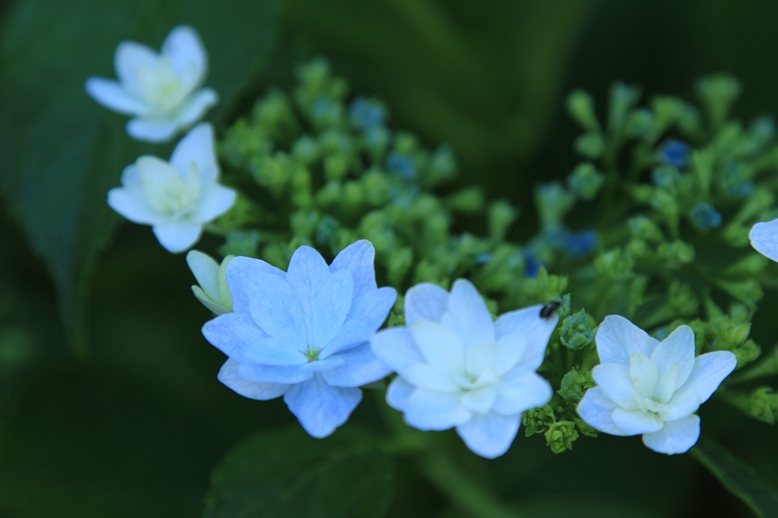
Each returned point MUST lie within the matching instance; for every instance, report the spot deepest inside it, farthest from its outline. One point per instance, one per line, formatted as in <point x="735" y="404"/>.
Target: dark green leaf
<point x="287" y="473"/>
<point x="737" y="477"/>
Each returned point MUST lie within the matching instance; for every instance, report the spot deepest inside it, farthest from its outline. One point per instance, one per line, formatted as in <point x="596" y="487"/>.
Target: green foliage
<point x="287" y="473"/>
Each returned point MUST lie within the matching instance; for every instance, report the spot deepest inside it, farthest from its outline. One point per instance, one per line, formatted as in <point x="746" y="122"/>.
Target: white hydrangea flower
<point x="175" y="198"/>
<point x="764" y="239"/>
<point x="304" y="334"/>
<point x="651" y="388"/>
<point x="213" y="291"/>
<point x="161" y="91"/>
<point x="459" y="368"/>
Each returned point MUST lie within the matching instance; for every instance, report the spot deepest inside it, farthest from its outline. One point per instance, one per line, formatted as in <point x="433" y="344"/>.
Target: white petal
<point x="319" y="407"/>
<point x="643" y="374"/>
<point x="491" y="435"/>
<point x="425" y="301"/>
<point x="679" y="407"/>
<point x="197" y="147"/>
<point x="430" y="410"/>
<point x="675" y="437"/>
<point x="467" y="315"/>
<point x="151" y="130"/>
<point x="677" y="348"/>
<point x="480" y="401"/>
<point x="636" y="422"/>
<point x="596" y="409"/>
<point x="194" y="107"/>
<point x="187" y="55"/>
<point x="206" y="301"/>
<point x="275" y="307"/>
<point x="239" y="271"/>
<point x="527" y="321"/>
<point x="110" y="94"/>
<point x="396" y="348"/>
<point x="517" y="394"/>
<point x="424" y="376"/>
<point x="252" y="390"/>
<point x="206" y="271"/>
<point x="479" y="359"/>
<point x="358" y="259"/>
<point x="215" y="201"/>
<point x="360" y="367"/>
<point x="708" y="372"/>
<point x="520" y="350"/>
<point x="615" y="380"/>
<point x="132" y="206"/>
<point x="129" y="57"/>
<point x="330" y="308"/>
<point x="232" y="334"/>
<point x="617" y="338"/>
<point x="274" y="374"/>
<point x="177" y="236"/>
<point x="440" y="347"/>
<point x="764" y="239"/>
<point x="398" y="394"/>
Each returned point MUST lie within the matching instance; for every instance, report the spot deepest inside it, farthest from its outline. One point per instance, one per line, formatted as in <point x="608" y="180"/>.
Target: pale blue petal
<point x="350" y="335"/>
<point x="675" y="437"/>
<point x="197" y="147"/>
<point x="330" y="308"/>
<point x="680" y="406"/>
<point x="177" y="236"/>
<point x="131" y="56"/>
<point x="307" y="274"/>
<point x="617" y="338"/>
<point x="764" y="239"/>
<point x="396" y="348"/>
<point x="708" y="372"/>
<point x="430" y="410"/>
<point x="491" y="435"/>
<point x="152" y="130"/>
<point x="360" y="367"/>
<point x="275" y="307"/>
<point x="425" y="301"/>
<point x="372" y="307"/>
<point x="644" y="375"/>
<point x="195" y="106"/>
<point x="424" y="376"/>
<point x="272" y="374"/>
<point x="523" y="337"/>
<point x="205" y="271"/>
<point x="272" y="351"/>
<point x="252" y="390"/>
<point x="215" y="201"/>
<point x="186" y="53"/>
<point x="479" y="401"/>
<point x="636" y="422"/>
<point x="110" y="94"/>
<point x="319" y="407"/>
<point x="517" y="394"/>
<point x="398" y="394"/>
<point x="467" y="315"/>
<point x="596" y="409"/>
<point x="614" y="379"/>
<point x="133" y="206"/>
<point x="677" y="348"/>
<point x="239" y="271"/>
<point x="358" y="259"/>
<point x="233" y="334"/>
<point x="441" y="348"/>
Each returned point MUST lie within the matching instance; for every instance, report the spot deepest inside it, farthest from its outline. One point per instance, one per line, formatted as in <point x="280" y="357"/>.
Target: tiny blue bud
<point x="365" y="114"/>
<point x="665" y="176"/>
<point x="401" y="164"/>
<point x="531" y="265"/>
<point x="578" y="244"/>
<point x="483" y="258"/>
<point x="676" y="153"/>
<point x="704" y="216"/>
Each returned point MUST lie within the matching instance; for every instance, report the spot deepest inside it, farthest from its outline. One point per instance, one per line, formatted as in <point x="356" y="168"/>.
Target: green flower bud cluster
<point x="577" y="332"/>
<point x="559" y="433"/>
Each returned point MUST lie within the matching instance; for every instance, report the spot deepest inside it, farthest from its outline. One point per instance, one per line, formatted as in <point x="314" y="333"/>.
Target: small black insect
<point x="549" y="309"/>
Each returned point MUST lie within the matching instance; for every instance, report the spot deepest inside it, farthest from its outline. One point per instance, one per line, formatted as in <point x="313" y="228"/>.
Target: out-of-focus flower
<point x="160" y="91"/>
<point x="213" y="291"/>
<point x="178" y="197"/>
<point x="459" y="368"/>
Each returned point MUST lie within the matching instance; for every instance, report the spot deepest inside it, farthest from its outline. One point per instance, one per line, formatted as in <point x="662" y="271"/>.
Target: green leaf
<point x="737" y="477"/>
<point x="60" y="152"/>
<point x="287" y="473"/>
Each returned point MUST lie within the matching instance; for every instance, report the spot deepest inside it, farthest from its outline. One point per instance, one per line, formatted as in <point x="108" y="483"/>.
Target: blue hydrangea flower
<point x="401" y="164"/>
<point x="303" y="334"/>
<point x="705" y="217"/>
<point x="531" y="265"/>
<point x="676" y="153"/>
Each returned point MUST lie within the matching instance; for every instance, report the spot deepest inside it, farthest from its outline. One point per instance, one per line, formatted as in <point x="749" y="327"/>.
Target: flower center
<point x="160" y="86"/>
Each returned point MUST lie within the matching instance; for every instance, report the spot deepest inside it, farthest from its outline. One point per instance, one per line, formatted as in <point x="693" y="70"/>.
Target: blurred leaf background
<point x="109" y="405"/>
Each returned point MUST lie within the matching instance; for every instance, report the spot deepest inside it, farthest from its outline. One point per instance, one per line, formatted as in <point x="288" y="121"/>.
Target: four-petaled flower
<point x="764" y="239"/>
<point x="178" y="197"/>
<point x="459" y="368"/>
<point x="304" y="334"/>
<point x="159" y="90"/>
<point x="649" y="387"/>
<point x="213" y="291"/>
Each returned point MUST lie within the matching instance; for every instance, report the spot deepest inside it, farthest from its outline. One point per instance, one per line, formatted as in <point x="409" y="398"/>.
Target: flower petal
<point x="110" y="94"/>
<point x="252" y="390"/>
<point x="398" y="394"/>
<point x="358" y="259"/>
<point x="307" y="274"/>
<point x="177" y="236"/>
<point x="491" y="435"/>
<point x="194" y="107"/>
<point x="636" y="422"/>
<point x="440" y="347"/>
<point x="276" y="308"/>
<point x="596" y="409"/>
<point x="677" y="348"/>
<point x="525" y="348"/>
<point x="708" y="372"/>
<point x="133" y="207"/>
<point x="206" y="301"/>
<point x="527" y="321"/>
<point x="186" y="53"/>
<point x="430" y="410"/>
<point x="679" y="407"/>
<point x="273" y="374"/>
<point x="151" y="130"/>
<point x="330" y="308"/>
<point x="372" y="307"/>
<point x="764" y="239"/>
<point x="239" y="271"/>
<point x="467" y="315"/>
<point x="350" y="335"/>
<point x="479" y="401"/>
<point x="197" y="147"/>
<point x="205" y="271"/>
<point x="233" y="334"/>
<point x="644" y="375"/>
<point x="614" y="379"/>
<point x="519" y="393"/>
<point x="617" y="338"/>
<point x="360" y="367"/>
<point x="425" y="301"/>
<point x="129" y="57"/>
<point x="396" y="348"/>
<point x="675" y="437"/>
<point x="215" y="201"/>
<point x="319" y="407"/>
<point x="423" y="376"/>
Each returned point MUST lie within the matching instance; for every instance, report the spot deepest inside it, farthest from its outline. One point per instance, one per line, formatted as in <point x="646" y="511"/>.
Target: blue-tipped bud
<point x="578" y="244"/>
<point x="401" y="164"/>
<point x="365" y="113"/>
<point x="676" y="153"/>
<point x="705" y="217"/>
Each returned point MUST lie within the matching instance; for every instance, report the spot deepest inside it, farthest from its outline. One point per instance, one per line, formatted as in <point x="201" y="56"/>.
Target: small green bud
<point x="700" y="329"/>
<point x="375" y="186"/>
<point x="213" y="291"/>
<point x="553" y="203"/>
<point x="577" y="331"/>
<point x="682" y="299"/>
<point x="585" y="181"/>
<point x="622" y="99"/>
<point x="676" y="253"/>
<point x="763" y="405"/>
<point x="273" y="172"/>
<point x="560" y="436"/>
<point x="666" y="110"/>
<point x="580" y="106"/>
<point x="747" y="352"/>
<point x="645" y="228"/>
<point x="537" y="420"/>
<point x="501" y="217"/>
<point x="689" y="119"/>
<point x="664" y="202"/>
<point x="718" y="92"/>
<point x="614" y="265"/>
<point x="244" y="212"/>
<point x="468" y="200"/>
<point x="241" y="242"/>
<point x="275" y="115"/>
<point x="574" y="385"/>
<point x="405" y="143"/>
<point x="244" y="141"/>
<point x="586" y="430"/>
<point x="306" y="150"/>
<point x="591" y="145"/>
<point x="703" y="161"/>
<point x="544" y="287"/>
<point x="329" y="195"/>
<point x="640" y="124"/>
<point x="353" y="197"/>
<point x="300" y="185"/>
<point x="336" y="166"/>
<point x="442" y="166"/>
